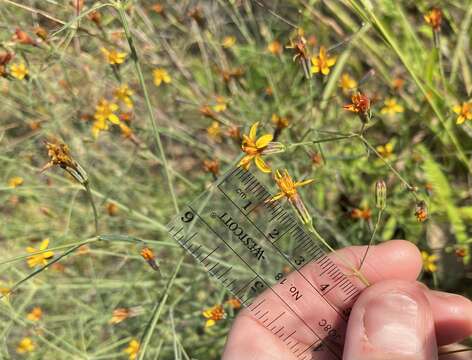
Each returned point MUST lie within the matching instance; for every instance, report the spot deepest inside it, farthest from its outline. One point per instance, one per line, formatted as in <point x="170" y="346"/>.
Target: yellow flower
<point x="464" y="111"/>
<point x="105" y="110"/>
<point x="123" y="93"/>
<point x="133" y="349"/>
<point x="114" y="57"/>
<point x="288" y="189"/>
<point x="19" y="71"/>
<point x="26" y="345"/>
<point x="347" y="82"/>
<point x="214" y="131"/>
<point x="429" y="262"/>
<point x="385" y="150"/>
<point x="220" y="105"/>
<point x="160" y="76"/>
<point x="213" y="314"/>
<point x="42" y="258"/>
<point x="254" y="148"/>
<point x="391" y="107"/>
<point x="275" y="48"/>
<point x="322" y="62"/>
<point x="35" y="314"/>
<point x="229" y="41"/>
<point x="15" y="181"/>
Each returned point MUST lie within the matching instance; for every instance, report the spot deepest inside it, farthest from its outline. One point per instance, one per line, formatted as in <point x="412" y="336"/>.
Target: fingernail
<point x="392" y="324"/>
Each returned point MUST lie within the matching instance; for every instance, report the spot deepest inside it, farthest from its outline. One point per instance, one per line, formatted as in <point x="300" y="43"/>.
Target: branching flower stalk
<point x="118" y="5"/>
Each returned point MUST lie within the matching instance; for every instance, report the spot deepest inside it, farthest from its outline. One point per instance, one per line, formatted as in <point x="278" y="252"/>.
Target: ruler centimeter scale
<point x="262" y="255"/>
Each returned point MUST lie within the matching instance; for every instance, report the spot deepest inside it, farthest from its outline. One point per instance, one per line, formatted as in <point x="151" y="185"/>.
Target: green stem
<point x="137" y="66"/>
<point x="356" y="272"/>
<point x="379" y="216"/>
<point x="94" y="208"/>
<point x="320" y="141"/>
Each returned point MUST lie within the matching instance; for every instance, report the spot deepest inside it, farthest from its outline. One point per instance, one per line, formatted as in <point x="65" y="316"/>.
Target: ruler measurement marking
<point x="266" y="284"/>
<point x="211" y="252"/>
<point x="276" y="318"/>
<point x="278" y="250"/>
<point x="225" y="272"/>
<point x="259" y="304"/>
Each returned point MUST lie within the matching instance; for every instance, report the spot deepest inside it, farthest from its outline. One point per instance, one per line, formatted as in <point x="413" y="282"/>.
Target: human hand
<point x="395" y="318"/>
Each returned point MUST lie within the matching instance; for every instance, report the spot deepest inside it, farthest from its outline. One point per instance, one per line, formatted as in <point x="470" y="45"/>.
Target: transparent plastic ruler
<point x="260" y="252"/>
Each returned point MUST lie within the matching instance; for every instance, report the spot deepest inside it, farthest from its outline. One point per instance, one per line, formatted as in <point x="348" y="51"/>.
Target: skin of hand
<point x="395" y="318"/>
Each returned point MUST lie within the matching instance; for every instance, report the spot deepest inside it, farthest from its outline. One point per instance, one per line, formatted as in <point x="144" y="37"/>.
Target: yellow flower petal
<point x="457" y="109"/>
<point x="44" y="244"/>
<point x="246" y="161"/>
<point x="263" y="141"/>
<point x="305" y="182"/>
<point x="260" y="163"/>
<point x="114" y="119"/>
<point x="253" y="132"/>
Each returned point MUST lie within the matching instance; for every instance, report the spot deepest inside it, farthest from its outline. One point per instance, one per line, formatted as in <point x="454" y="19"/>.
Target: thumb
<point x="391" y="320"/>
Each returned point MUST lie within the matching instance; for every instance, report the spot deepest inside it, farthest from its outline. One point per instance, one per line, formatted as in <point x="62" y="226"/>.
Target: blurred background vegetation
<point x="211" y="69"/>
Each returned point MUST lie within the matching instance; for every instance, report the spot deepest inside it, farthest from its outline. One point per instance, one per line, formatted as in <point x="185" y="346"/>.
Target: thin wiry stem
<point x="94" y="208"/>
<point x="137" y="66"/>
<point x="379" y="216"/>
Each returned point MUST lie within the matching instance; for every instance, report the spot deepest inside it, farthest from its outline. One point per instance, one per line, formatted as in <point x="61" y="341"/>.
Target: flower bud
<point x="380" y="195"/>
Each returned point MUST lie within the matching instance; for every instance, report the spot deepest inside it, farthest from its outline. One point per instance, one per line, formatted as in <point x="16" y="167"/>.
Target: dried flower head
<point x="96" y="17"/>
<point x="280" y="122"/>
<point x="301" y="55"/>
<point x="121" y="314"/>
<point x="230" y="74"/>
<point x="421" y="211"/>
<point x="322" y="62"/>
<point x="23" y="38"/>
<point x="461" y="251"/>
<point x="234" y="303"/>
<point x="361" y="214"/>
<point x="213" y="314"/>
<point x="59" y="155"/>
<point x="275" y="47"/>
<point x="212" y="167"/>
<point x="288" y="189"/>
<point x="434" y="18"/>
<point x="35" y="314"/>
<point x="360" y="105"/>
<point x="256" y="147"/>
<point x="41" y="32"/>
<point x="148" y="255"/>
<point x="206" y="111"/>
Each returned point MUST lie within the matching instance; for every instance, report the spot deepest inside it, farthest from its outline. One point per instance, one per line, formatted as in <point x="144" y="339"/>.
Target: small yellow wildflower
<point x="228" y="42"/>
<point x="464" y="111"/>
<point x="114" y="57"/>
<point x="322" y="62"/>
<point x="288" y="189"/>
<point x="25" y="345"/>
<point x="123" y="93"/>
<point x="161" y="76"/>
<point x="105" y="110"/>
<point x="429" y="262"/>
<point x="221" y="104"/>
<point x="391" y="107"/>
<point x="347" y="82"/>
<point x="35" y="314"/>
<point x="214" y="131"/>
<point x="133" y="349"/>
<point x="275" y="47"/>
<point x="15" y="181"/>
<point x="42" y="258"/>
<point x="19" y="71"/>
<point x="213" y="314"/>
<point x="385" y="150"/>
<point x="254" y="148"/>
